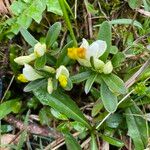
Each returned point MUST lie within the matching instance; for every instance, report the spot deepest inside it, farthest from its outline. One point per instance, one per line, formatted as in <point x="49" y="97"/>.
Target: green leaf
<point x="89" y="83"/>
<point x="126" y="22"/>
<point x="146" y="5"/>
<point x="114" y="120"/>
<point x="58" y="115"/>
<point x="113" y="49"/>
<point x="80" y="77"/>
<point x="69" y="85"/>
<point x="61" y="103"/>
<point x="6" y="128"/>
<point x="54" y="7"/>
<point x="36" y="9"/>
<point x="113" y="141"/>
<point x="93" y="143"/>
<point x="118" y="59"/>
<point x="134" y="3"/>
<point x="7" y="107"/>
<point x="23" y="21"/>
<point x="108" y="98"/>
<point x="136" y="127"/>
<point x="105" y="35"/>
<point x="96" y="108"/>
<point x="78" y="126"/>
<point x="28" y="37"/>
<point x="33" y="85"/>
<point x="40" y="62"/>
<point x="17" y="7"/>
<point x="114" y="83"/>
<point x="63" y="59"/>
<point x="53" y="34"/>
<point x="90" y="8"/>
<point x="71" y="142"/>
<point x="45" y="116"/>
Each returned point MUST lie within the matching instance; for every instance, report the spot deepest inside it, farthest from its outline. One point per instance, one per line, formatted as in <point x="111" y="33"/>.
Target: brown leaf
<point x="5" y="7"/>
<point x="6" y="139"/>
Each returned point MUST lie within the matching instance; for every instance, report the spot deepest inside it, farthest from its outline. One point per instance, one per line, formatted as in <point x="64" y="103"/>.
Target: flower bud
<point x="49" y="69"/>
<point x="62" y="75"/>
<point x="98" y="64"/>
<point x="108" y="68"/>
<point x="24" y="59"/>
<point x="49" y="86"/>
<point x="39" y="49"/>
<point x="30" y="73"/>
<point x="62" y="70"/>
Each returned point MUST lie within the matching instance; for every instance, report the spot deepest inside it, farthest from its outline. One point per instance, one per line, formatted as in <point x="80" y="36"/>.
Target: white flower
<point x="39" y="49"/>
<point x="108" y="68"/>
<point x="30" y="73"/>
<point x="96" y="49"/>
<point x="25" y="59"/>
<point x="86" y="51"/>
<point x="62" y="74"/>
<point x="49" y="86"/>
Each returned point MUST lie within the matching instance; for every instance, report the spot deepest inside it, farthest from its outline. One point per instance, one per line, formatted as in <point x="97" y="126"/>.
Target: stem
<point x="124" y="98"/>
<point x="67" y="20"/>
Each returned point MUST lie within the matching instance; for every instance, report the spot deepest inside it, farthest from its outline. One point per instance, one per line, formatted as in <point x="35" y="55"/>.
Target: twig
<point x="58" y="143"/>
<point x="124" y="98"/>
<point x="90" y="25"/>
<point x="133" y="79"/>
<point x="12" y="79"/>
<point x="32" y="128"/>
<point x="146" y="13"/>
<point x="85" y="142"/>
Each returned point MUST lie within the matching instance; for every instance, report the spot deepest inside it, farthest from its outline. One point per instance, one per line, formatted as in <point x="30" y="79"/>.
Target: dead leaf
<point x="6" y="139"/>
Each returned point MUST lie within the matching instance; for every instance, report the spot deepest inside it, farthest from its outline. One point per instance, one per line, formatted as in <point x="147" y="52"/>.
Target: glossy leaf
<point x="33" y="85"/>
<point x="114" y="83"/>
<point x="40" y="62"/>
<point x="63" y="59"/>
<point x="63" y="104"/>
<point x="108" y="98"/>
<point x="6" y="128"/>
<point x="93" y="143"/>
<point x="134" y="3"/>
<point x="58" y="115"/>
<point x="105" y="35"/>
<point x="118" y="59"/>
<point x="113" y="141"/>
<point x="80" y="77"/>
<point x="7" y="107"/>
<point x="78" y="126"/>
<point x="54" y="7"/>
<point x="114" y="120"/>
<point x="71" y="142"/>
<point x="36" y="9"/>
<point x="126" y="22"/>
<point x="113" y="49"/>
<point x="137" y="128"/>
<point x="45" y="116"/>
<point x="96" y="108"/>
<point x="89" y="83"/>
<point x="28" y="37"/>
<point x="53" y="34"/>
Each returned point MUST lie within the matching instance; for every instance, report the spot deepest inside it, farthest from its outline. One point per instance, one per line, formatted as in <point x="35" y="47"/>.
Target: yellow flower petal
<point x="22" y="78"/>
<point x="75" y="53"/>
<point x="62" y="80"/>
